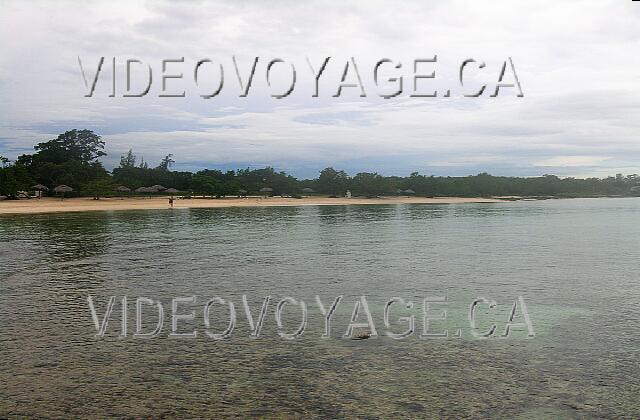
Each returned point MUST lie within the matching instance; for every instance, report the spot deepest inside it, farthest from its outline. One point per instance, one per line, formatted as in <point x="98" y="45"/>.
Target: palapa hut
<point x="143" y="190"/>
<point x="39" y="188"/>
<point x="156" y="188"/>
<point x="171" y="191"/>
<point x="61" y="189"/>
<point x="122" y="189"/>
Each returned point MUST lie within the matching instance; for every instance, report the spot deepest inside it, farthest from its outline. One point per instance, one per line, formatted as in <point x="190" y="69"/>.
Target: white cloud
<point x="571" y="161"/>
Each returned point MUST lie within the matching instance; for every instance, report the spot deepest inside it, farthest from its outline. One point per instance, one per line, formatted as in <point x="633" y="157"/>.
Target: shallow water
<point x="574" y="262"/>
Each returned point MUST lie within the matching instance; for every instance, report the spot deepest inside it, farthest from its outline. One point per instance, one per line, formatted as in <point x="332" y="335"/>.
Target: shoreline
<point x="71" y="205"/>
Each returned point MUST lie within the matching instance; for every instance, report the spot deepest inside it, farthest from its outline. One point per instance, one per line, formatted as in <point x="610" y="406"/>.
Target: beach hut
<point x="171" y="191"/>
<point x="156" y="188"/>
<point x="122" y="189"/>
<point x="144" y="190"/>
<point x="39" y="188"/>
<point x="61" y="189"/>
<point x="266" y="191"/>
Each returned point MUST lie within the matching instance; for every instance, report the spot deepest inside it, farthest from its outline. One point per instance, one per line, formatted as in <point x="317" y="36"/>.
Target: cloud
<point x="572" y="161"/>
<point x="576" y="61"/>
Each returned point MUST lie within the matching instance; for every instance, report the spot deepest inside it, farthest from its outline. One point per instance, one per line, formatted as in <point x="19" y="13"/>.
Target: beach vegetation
<point x="73" y="159"/>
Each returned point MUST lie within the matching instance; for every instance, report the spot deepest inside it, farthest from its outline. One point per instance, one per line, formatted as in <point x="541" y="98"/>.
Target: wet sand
<point x="56" y="205"/>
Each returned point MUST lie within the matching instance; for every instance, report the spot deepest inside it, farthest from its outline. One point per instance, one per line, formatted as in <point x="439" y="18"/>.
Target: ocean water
<point x="573" y="262"/>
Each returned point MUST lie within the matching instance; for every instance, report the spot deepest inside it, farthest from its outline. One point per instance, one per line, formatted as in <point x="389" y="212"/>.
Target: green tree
<point x="71" y="159"/>
<point x="14" y="178"/>
<point x="370" y="184"/>
<point x="83" y="146"/>
<point x="333" y="182"/>
<point x="205" y="183"/>
<point x="98" y="188"/>
<point x="128" y="160"/>
<point x="166" y="163"/>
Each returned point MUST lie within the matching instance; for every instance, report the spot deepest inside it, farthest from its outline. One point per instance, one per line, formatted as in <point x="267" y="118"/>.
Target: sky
<point x="577" y="62"/>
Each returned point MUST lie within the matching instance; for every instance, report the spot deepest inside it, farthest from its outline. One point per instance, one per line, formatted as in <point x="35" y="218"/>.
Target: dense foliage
<point x="72" y="159"/>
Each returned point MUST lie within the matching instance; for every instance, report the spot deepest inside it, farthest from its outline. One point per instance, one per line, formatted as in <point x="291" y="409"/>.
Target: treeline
<point x="72" y="159"/>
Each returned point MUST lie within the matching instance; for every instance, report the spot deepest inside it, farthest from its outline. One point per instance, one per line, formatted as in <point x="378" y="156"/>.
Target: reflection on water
<point x="575" y="262"/>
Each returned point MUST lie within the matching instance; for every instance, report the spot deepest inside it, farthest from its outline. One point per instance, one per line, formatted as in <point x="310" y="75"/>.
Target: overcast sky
<point x="578" y="63"/>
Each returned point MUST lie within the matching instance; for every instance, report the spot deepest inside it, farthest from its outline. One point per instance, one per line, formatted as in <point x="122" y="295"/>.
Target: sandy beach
<point x="56" y="205"/>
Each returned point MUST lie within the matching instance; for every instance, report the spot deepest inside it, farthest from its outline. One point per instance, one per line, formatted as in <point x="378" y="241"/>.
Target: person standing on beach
<point x="171" y="202"/>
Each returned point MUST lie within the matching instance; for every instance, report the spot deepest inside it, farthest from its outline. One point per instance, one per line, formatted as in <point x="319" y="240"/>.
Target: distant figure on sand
<point x="171" y="202"/>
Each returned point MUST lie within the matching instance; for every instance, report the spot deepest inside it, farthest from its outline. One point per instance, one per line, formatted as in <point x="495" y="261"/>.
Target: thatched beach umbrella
<point x="242" y="193"/>
<point x="122" y="189"/>
<point x="40" y="188"/>
<point x="61" y="189"/>
<point x="157" y="188"/>
<point x="171" y="191"/>
<point x="308" y="190"/>
<point x="409" y="191"/>
<point x="143" y="190"/>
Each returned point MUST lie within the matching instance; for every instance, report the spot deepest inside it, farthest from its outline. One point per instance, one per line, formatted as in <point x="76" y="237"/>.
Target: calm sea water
<point x="574" y="262"/>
